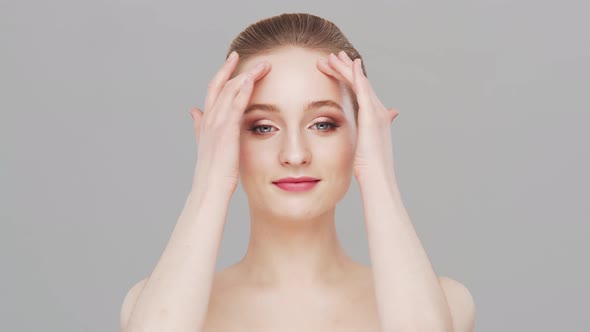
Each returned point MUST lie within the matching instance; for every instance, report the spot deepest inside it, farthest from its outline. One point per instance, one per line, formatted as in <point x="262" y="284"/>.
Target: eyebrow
<point x="310" y="106"/>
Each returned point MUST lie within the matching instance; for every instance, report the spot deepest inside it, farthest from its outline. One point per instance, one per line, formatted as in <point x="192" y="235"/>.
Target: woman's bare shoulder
<point x="129" y="302"/>
<point x="461" y="304"/>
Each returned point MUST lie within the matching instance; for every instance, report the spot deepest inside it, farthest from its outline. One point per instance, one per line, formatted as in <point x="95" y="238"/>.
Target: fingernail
<point x="247" y="80"/>
<point x="260" y="65"/>
<point x="232" y="56"/>
<point x="323" y="61"/>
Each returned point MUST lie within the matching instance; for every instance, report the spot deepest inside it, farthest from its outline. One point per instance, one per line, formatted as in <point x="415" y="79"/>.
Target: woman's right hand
<point x="217" y="129"/>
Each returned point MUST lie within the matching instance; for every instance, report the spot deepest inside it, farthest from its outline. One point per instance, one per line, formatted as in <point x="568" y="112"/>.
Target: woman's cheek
<point x="246" y="152"/>
<point x="254" y="154"/>
<point x="340" y="155"/>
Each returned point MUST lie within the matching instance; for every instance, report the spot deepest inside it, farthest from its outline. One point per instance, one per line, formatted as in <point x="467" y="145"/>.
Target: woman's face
<point x="294" y="142"/>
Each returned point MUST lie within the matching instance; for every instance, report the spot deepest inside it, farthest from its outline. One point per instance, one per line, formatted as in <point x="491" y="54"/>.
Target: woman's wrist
<point x="202" y="188"/>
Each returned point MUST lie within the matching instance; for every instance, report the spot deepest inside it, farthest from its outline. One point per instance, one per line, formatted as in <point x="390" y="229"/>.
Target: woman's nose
<point x="295" y="151"/>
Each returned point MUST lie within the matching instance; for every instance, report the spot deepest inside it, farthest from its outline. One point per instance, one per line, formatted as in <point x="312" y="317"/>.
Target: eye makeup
<point x="329" y="124"/>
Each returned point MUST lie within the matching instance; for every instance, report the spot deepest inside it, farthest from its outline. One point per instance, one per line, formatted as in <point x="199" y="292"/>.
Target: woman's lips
<point x="296" y="186"/>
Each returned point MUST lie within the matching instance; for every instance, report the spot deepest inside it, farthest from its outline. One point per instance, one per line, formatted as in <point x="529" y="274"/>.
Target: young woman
<point x="292" y="115"/>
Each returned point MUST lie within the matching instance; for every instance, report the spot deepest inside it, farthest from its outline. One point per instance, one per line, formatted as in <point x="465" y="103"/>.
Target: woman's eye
<point x="265" y="131"/>
<point x="321" y="126"/>
<point x="327" y="125"/>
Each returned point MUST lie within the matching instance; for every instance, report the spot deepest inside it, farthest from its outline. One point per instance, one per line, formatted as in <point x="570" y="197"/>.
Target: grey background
<point x="98" y="151"/>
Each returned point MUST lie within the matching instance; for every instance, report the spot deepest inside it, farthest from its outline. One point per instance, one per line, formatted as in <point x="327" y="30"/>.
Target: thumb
<point x="393" y="114"/>
<point x="197" y="115"/>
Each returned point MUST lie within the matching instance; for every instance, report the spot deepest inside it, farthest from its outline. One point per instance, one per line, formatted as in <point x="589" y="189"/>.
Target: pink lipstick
<point x="296" y="184"/>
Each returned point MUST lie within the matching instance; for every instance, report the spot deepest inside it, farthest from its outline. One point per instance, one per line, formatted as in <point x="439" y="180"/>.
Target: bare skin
<point x="347" y="304"/>
<point x="231" y="307"/>
<point x="295" y="275"/>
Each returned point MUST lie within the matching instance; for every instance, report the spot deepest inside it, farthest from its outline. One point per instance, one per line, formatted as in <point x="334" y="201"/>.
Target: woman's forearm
<point x="176" y="294"/>
<point x="408" y="292"/>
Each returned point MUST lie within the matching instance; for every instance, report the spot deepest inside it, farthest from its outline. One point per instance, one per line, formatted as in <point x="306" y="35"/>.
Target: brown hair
<point x="294" y="29"/>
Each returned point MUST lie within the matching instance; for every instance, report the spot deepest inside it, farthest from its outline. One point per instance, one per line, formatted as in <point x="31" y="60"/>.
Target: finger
<point x="219" y="80"/>
<point x="342" y="68"/>
<point x="361" y="85"/>
<point x="369" y="88"/>
<point x="393" y="114"/>
<point x="224" y="104"/>
<point x="197" y="115"/>
<point x="243" y="96"/>
<point x="326" y="68"/>
<point x="345" y="58"/>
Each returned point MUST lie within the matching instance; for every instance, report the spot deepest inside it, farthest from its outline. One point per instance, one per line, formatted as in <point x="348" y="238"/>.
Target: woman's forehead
<point x="294" y="77"/>
<point x="285" y="55"/>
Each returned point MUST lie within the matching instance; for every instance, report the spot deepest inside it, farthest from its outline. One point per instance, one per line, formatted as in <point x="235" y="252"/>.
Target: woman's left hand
<point x="374" y="153"/>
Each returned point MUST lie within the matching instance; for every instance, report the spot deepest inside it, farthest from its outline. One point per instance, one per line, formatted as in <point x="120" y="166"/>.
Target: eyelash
<point x="332" y="127"/>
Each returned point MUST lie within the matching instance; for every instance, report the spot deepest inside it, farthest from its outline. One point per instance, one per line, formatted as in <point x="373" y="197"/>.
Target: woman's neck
<point x="290" y="252"/>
